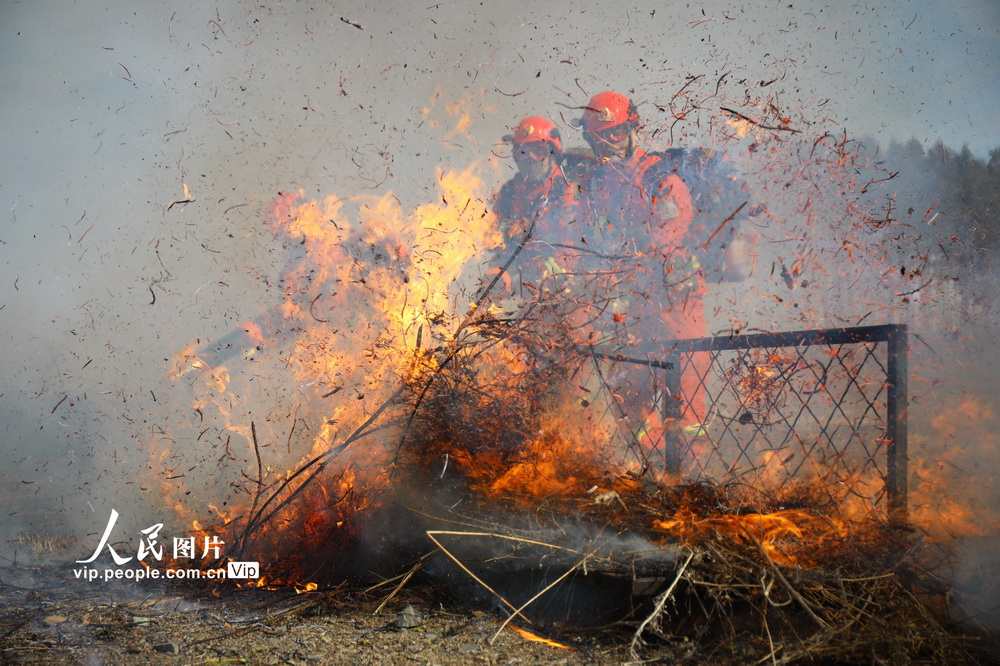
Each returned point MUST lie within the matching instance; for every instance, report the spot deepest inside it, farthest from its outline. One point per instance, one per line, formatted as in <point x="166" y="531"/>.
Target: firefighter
<point x="641" y="214"/>
<point x="538" y="214"/>
<point x="540" y="192"/>
<point x="537" y="208"/>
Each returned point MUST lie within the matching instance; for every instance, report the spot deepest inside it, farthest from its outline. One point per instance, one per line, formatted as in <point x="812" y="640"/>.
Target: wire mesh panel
<point x="825" y="407"/>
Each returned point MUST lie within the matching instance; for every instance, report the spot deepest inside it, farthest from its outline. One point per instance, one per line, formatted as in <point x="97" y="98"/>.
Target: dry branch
<point x="660" y="603"/>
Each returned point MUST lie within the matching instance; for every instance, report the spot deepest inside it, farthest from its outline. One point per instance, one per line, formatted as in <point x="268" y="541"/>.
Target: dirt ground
<point x="47" y="616"/>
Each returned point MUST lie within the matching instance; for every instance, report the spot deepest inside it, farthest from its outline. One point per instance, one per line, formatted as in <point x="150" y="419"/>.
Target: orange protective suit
<point x="642" y="213"/>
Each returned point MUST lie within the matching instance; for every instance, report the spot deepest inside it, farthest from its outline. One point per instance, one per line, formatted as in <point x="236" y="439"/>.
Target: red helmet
<point x="537" y="128"/>
<point x="608" y="109"/>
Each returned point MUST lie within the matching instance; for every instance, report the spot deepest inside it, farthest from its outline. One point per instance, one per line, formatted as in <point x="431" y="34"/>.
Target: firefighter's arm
<point x="503" y="208"/>
<point x="673" y="212"/>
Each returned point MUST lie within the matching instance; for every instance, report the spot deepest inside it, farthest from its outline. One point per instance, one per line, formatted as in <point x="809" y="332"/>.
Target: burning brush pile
<point x="473" y="438"/>
<point x="558" y="527"/>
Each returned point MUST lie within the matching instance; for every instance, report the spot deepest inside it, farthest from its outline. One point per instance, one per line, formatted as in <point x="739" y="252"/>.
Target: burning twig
<point x="320" y="462"/>
<point x="186" y="199"/>
<point x="760" y="125"/>
<point x="477" y="303"/>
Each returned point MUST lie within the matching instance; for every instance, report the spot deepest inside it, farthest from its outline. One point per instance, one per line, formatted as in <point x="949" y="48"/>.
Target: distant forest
<point x="960" y="188"/>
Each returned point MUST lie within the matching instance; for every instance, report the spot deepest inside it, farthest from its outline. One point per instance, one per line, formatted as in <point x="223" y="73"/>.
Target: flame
<point x="792" y="538"/>
<point x="959" y="443"/>
<point x="365" y="290"/>
<point x="538" y="639"/>
<point x="375" y="298"/>
<point x="548" y="466"/>
<point x="457" y="112"/>
<point x="741" y="126"/>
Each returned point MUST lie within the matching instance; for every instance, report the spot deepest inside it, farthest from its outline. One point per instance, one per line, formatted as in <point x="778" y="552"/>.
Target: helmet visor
<point x="610" y="135"/>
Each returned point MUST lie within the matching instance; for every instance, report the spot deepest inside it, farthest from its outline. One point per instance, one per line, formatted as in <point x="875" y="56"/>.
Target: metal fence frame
<point x="893" y="335"/>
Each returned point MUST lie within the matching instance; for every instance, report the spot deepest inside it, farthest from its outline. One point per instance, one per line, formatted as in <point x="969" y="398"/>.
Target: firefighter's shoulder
<point x="692" y="161"/>
<point x="503" y="204"/>
<point x="657" y="166"/>
<point x="702" y="170"/>
<point x="577" y="163"/>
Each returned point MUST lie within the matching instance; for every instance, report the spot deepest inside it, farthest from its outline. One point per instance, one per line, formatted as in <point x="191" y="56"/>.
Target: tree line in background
<point x="961" y="189"/>
<point x="945" y="206"/>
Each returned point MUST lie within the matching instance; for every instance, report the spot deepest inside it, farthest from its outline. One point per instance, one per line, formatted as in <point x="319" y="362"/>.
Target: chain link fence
<point x="823" y="407"/>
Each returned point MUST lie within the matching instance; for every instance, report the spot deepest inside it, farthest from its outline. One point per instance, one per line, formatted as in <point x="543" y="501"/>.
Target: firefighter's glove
<point x="667" y="208"/>
<point x="553" y="267"/>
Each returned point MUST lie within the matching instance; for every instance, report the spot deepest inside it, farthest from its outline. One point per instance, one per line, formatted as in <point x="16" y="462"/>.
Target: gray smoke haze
<point x="110" y="112"/>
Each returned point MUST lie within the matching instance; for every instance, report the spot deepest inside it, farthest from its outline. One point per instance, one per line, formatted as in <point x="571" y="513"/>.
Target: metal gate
<point x="826" y="407"/>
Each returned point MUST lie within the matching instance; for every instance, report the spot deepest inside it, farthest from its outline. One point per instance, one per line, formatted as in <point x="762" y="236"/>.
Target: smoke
<point x="145" y="145"/>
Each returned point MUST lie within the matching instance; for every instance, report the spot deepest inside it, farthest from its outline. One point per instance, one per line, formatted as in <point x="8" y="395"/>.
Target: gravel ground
<point x="47" y="616"/>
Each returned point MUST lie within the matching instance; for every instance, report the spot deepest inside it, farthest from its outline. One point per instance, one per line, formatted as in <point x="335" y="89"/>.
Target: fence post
<point x="897" y="369"/>
<point x="672" y="412"/>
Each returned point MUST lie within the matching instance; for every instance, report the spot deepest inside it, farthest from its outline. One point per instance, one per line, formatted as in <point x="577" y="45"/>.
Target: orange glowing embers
<point x="762" y="382"/>
<point x="805" y="538"/>
<point x="538" y="639"/>
<point x="548" y="466"/>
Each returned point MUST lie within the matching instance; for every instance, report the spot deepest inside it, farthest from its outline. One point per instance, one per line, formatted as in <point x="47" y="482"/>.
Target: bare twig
<point x="659" y="607"/>
<point x="472" y="575"/>
<point x="530" y="601"/>
<point x="760" y="125"/>
<point x="402" y="583"/>
<point x="806" y="606"/>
